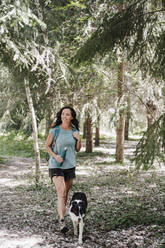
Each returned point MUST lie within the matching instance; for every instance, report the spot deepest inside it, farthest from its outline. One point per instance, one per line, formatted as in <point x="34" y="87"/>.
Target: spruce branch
<point x="151" y="147"/>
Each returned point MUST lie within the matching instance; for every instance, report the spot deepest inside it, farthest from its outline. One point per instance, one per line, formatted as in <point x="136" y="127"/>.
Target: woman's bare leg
<point x="68" y="185"/>
<point x="61" y="193"/>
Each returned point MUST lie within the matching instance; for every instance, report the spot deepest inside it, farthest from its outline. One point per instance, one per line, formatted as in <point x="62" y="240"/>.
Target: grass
<point x="90" y="155"/>
<point x="162" y="245"/>
<point x="2" y="160"/>
<point x="16" y="144"/>
<point x="126" y="215"/>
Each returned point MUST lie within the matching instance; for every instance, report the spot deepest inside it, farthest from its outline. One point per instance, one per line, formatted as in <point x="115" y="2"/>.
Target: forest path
<point x="121" y="213"/>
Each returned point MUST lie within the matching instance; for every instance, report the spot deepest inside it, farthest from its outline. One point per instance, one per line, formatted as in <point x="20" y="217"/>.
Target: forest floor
<point x="125" y="208"/>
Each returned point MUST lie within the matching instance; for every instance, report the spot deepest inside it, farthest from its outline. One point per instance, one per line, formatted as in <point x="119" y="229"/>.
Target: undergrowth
<point x="18" y="145"/>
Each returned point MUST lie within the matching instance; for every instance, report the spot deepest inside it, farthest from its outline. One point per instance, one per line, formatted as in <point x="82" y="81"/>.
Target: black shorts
<point x="67" y="173"/>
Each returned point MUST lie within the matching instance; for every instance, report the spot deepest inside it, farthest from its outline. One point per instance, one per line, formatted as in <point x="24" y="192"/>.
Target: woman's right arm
<point x="48" y="148"/>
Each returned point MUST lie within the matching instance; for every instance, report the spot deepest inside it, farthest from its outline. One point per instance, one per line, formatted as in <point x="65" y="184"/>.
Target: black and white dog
<point x="77" y="210"/>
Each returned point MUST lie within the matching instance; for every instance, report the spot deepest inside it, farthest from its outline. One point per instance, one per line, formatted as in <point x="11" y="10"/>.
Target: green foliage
<point x="151" y="147"/>
<point x="68" y="24"/>
<point x="16" y="144"/>
<point x="162" y="246"/>
<point x="113" y="30"/>
<point x="22" y="49"/>
<point x="90" y="155"/>
<point x="127" y="216"/>
<point x="159" y="62"/>
<point x="81" y="187"/>
<point x="2" y="160"/>
<point x="138" y="29"/>
<point x="11" y="146"/>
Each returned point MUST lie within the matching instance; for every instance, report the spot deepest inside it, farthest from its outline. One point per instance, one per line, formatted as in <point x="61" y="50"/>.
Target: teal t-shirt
<point x="64" y="140"/>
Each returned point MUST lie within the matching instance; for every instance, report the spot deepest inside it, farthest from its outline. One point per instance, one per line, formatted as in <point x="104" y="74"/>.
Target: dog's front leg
<point x="81" y="227"/>
<point x="75" y="224"/>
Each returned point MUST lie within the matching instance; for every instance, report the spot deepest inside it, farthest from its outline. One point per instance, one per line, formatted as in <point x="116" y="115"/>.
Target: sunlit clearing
<point x="9" y="182"/>
<point x="81" y="170"/>
<point x="9" y="239"/>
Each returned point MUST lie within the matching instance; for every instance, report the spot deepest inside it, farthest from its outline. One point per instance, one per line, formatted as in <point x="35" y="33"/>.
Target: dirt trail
<point x="28" y="217"/>
<point x="26" y="220"/>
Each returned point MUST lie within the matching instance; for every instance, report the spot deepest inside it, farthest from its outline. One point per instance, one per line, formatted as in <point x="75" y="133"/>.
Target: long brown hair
<point x="74" y="121"/>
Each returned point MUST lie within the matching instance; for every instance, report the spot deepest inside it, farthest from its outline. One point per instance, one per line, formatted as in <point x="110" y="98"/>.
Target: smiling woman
<point x="65" y="136"/>
<point x="66" y="117"/>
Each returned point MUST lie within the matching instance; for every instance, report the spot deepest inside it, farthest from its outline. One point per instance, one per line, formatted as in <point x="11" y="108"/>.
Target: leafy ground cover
<point x="125" y="208"/>
<point x="17" y="145"/>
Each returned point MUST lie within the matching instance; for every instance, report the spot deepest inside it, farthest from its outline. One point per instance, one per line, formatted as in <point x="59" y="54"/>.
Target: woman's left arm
<point x="78" y="139"/>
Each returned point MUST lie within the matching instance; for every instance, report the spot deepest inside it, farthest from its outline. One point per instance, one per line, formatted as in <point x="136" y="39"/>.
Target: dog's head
<point x="78" y="208"/>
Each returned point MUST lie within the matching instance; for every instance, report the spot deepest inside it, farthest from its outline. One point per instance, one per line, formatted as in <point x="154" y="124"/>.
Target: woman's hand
<point x="76" y="136"/>
<point x="58" y="158"/>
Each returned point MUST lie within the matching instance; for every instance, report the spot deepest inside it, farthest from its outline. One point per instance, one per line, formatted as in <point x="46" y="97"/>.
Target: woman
<point x="62" y="171"/>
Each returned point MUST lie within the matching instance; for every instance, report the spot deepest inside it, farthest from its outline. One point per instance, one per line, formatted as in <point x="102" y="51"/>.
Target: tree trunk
<point x="126" y="132"/>
<point x="97" y="137"/>
<point x="97" y="133"/>
<point x="127" y="121"/>
<point x="35" y="129"/>
<point x="85" y="129"/>
<point x="120" y="140"/>
<point x="121" y="123"/>
<point x="163" y="132"/>
<point x="89" y="141"/>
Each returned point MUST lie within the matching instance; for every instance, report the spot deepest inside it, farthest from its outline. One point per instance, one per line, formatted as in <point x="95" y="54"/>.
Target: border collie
<point x="77" y="210"/>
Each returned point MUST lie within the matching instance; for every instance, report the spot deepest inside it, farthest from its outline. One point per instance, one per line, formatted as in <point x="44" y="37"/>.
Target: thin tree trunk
<point x="89" y="140"/>
<point x="121" y="123"/>
<point x="85" y="129"/>
<point x="163" y="132"/>
<point x="97" y="133"/>
<point x="126" y="132"/>
<point x="97" y="137"/>
<point x="127" y="121"/>
<point x="120" y="140"/>
<point x="35" y="130"/>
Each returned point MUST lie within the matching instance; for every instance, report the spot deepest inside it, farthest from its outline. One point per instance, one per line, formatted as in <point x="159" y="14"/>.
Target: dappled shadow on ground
<point x="125" y="210"/>
<point x="14" y="170"/>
